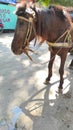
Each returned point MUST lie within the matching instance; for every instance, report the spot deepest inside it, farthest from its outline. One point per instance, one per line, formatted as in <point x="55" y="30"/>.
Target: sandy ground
<point x="21" y="85"/>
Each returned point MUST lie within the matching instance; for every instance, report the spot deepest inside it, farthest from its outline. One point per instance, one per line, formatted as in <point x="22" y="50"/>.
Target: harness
<point x="67" y="41"/>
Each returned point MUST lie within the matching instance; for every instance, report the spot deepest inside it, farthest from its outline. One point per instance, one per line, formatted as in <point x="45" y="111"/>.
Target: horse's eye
<point x="21" y="23"/>
<point x="26" y="15"/>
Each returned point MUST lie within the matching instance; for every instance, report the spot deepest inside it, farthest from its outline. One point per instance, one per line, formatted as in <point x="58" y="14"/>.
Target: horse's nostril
<point x="16" y="51"/>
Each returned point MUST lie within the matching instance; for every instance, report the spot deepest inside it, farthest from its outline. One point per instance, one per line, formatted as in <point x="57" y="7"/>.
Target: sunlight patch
<point x="6" y="43"/>
<point x="25" y="62"/>
<point x="1" y="79"/>
<point x="55" y="78"/>
<point x="19" y="83"/>
<point x="51" y="104"/>
<point x="57" y="61"/>
<point x="40" y="76"/>
<point x="52" y="92"/>
<point x="18" y="59"/>
<point x="14" y="72"/>
<point x="45" y="57"/>
<point x="66" y="86"/>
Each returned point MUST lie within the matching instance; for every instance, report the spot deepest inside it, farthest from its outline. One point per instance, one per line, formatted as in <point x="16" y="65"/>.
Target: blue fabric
<point x="8" y="1"/>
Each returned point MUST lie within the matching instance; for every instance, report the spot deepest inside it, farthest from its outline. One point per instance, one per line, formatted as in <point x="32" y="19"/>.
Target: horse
<point x="52" y="24"/>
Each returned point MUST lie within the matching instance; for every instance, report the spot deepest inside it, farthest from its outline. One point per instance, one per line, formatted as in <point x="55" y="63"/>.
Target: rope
<point x="28" y="20"/>
<point x="62" y="44"/>
<point x="58" y="44"/>
<point x="62" y="35"/>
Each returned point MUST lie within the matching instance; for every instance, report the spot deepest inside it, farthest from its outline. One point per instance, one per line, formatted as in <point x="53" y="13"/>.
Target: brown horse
<point x="52" y="24"/>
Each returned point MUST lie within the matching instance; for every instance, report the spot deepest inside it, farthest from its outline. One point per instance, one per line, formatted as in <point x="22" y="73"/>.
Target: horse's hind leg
<point x="61" y="70"/>
<point x="52" y="57"/>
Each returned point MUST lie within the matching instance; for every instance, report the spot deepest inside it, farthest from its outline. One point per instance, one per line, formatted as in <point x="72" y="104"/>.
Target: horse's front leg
<point x="52" y="57"/>
<point x="61" y="71"/>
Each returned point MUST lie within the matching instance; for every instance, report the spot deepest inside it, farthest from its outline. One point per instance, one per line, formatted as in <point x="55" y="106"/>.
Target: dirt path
<point x="21" y="84"/>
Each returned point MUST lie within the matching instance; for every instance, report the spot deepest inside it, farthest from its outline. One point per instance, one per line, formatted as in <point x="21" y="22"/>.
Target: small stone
<point x="68" y="126"/>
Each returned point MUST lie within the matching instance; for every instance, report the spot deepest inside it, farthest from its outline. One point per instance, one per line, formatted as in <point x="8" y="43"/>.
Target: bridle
<point x="29" y="29"/>
<point x="25" y="48"/>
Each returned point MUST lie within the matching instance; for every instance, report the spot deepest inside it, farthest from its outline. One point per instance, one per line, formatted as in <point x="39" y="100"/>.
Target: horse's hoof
<point x="46" y="82"/>
<point x="59" y="91"/>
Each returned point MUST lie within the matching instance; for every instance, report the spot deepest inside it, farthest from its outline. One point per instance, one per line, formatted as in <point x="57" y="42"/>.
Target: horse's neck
<point x="44" y="28"/>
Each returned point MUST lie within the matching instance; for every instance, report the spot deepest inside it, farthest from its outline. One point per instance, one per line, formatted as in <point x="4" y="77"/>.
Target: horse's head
<point x="24" y="31"/>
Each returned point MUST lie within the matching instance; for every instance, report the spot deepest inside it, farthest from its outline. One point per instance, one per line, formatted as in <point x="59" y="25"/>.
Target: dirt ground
<point x="21" y="85"/>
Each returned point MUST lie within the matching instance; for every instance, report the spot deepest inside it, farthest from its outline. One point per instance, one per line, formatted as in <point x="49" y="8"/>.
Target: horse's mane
<point x="58" y="11"/>
<point x="63" y="12"/>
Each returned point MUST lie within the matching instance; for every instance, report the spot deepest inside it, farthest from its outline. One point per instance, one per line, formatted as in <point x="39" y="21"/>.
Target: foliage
<point x="61" y="2"/>
<point x="48" y="2"/>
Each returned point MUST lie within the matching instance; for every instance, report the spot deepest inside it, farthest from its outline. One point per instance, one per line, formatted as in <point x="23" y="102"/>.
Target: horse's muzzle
<point x="17" y="51"/>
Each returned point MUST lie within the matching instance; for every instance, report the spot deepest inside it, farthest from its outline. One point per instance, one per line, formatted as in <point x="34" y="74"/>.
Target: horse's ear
<point x="67" y="15"/>
<point x="20" y="7"/>
<point x="64" y="12"/>
<point x="32" y="3"/>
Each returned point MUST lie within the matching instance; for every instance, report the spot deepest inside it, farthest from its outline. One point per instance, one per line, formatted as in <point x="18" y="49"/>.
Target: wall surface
<point x="7" y="17"/>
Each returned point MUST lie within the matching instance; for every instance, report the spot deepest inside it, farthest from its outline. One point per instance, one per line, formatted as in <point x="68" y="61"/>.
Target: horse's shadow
<point x="41" y="110"/>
